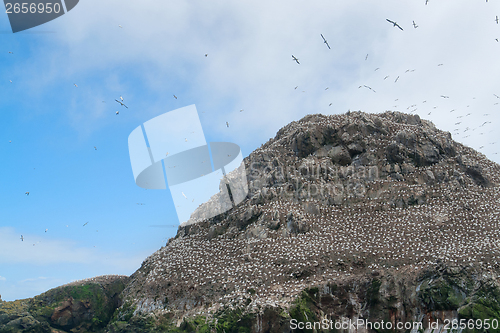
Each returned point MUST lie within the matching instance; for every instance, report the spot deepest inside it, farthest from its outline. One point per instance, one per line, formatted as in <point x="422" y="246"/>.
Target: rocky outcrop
<point x="370" y="215"/>
<point x="15" y="317"/>
<point x="424" y="300"/>
<point x="85" y="306"/>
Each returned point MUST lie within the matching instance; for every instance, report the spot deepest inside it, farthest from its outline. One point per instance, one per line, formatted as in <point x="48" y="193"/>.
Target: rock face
<point x="348" y="216"/>
<point x="85" y="306"/>
<point x="354" y="216"/>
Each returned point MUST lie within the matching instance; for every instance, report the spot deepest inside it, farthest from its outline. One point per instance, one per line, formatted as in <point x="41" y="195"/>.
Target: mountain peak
<point x="331" y="197"/>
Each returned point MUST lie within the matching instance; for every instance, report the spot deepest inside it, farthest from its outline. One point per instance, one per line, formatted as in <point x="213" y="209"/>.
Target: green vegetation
<point x="302" y="309"/>
<point x="441" y="294"/>
<point x="484" y="304"/>
<point x="234" y="321"/>
<point x="126" y="312"/>
<point x="372" y="294"/>
<point x="79" y="308"/>
<point x="92" y="308"/>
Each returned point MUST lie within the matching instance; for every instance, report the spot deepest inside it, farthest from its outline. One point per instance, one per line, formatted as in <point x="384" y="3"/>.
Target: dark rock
<point x="476" y="173"/>
<point x="247" y="217"/>
<point x="394" y="153"/>
<point x="406" y="138"/>
<point x="296" y="224"/>
<point x="355" y="148"/>
<point x="426" y="155"/>
<point x="340" y="155"/>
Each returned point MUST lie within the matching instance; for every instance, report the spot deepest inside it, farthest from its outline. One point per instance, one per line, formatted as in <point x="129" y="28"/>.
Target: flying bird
<point x="369" y="88"/>
<point x="414" y="25"/>
<point x="117" y="112"/>
<point x="27" y="193"/>
<point x="46" y="230"/>
<point x="175" y="97"/>
<point x="206" y="54"/>
<point x="22" y="238"/>
<point x="324" y="41"/>
<point x="396" y="79"/>
<point x="120" y="26"/>
<point x="10" y="81"/>
<point x="85" y="224"/>
<point x="366" y="57"/>
<point x="121" y="103"/>
<point x="394" y="24"/>
<point x="11" y="52"/>
<point x="295" y="59"/>
<point x="227" y="124"/>
<point x="496" y="19"/>
<point x="386" y="77"/>
<point x="75" y="85"/>
<point x="184" y="195"/>
<point x="445" y="96"/>
<point x="95" y="147"/>
<point x="426" y="1"/>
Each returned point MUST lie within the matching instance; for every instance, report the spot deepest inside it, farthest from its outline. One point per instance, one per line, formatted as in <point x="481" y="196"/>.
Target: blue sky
<point x="159" y="51"/>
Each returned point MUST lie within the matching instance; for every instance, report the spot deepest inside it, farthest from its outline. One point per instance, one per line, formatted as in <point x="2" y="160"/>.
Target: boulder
<point x="340" y="155"/>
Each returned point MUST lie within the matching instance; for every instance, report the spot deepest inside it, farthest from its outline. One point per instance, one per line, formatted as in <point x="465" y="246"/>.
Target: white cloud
<point x="32" y="279"/>
<point x="249" y="64"/>
<point x="35" y="250"/>
<point x="2" y="278"/>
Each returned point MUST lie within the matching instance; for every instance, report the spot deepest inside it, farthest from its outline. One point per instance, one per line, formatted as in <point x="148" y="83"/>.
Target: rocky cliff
<point x="348" y="217"/>
<point x="343" y="204"/>
<point x="83" y="306"/>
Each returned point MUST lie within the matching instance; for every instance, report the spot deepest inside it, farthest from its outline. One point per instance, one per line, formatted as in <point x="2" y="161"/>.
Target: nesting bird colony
<point x="330" y="198"/>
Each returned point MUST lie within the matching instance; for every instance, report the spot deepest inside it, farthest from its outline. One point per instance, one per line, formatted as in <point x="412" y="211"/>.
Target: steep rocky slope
<point x="352" y="216"/>
<point x="363" y="207"/>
